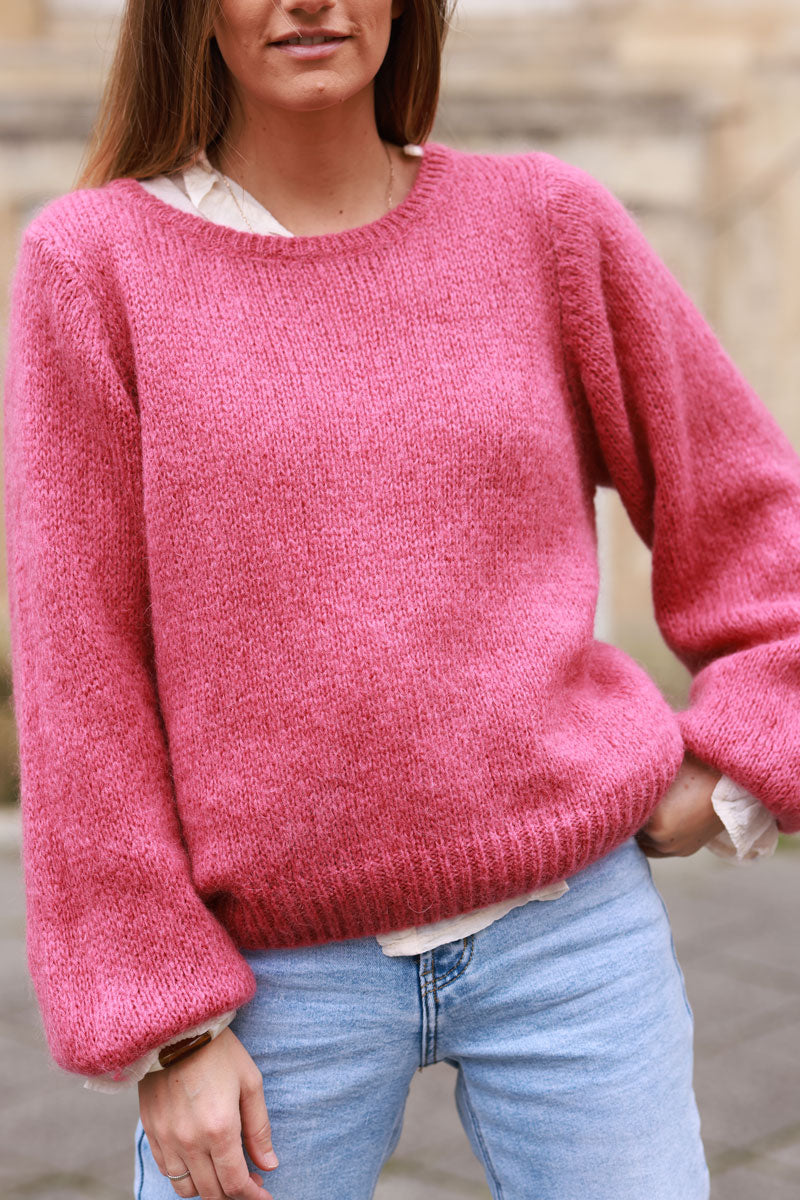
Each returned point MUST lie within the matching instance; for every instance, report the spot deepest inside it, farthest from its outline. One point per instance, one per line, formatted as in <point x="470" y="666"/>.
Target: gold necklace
<point x="224" y="179"/>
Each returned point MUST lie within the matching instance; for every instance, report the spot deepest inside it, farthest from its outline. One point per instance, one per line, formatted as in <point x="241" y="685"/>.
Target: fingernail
<point x="270" y="1159"/>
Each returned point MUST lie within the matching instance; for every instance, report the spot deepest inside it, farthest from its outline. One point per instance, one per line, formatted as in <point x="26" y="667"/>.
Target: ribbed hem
<point x="480" y="866"/>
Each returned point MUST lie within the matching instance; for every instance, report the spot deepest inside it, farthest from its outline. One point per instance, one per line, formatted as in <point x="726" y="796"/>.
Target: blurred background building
<point x="686" y="109"/>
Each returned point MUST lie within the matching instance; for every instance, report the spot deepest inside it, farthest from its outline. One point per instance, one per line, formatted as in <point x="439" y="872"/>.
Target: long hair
<point x="168" y="90"/>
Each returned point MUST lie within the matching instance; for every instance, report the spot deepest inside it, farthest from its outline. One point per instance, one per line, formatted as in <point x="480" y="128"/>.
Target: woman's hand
<point x="195" y="1114"/>
<point x="684" y="819"/>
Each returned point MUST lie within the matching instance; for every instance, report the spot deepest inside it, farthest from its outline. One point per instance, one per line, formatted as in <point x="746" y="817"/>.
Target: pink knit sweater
<point x="302" y="575"/>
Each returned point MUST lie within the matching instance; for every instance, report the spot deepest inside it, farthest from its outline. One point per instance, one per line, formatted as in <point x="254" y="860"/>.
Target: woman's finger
<point x="224" y="1175"/>
<point x="220" y="1169"/>
<point x="651" y="852"/>
<point x="234" y="1176"/>
<point x="256" y="1130"/>
<point x="203" y="1179"/>
<point x="174" y="1166"/>
<point x="674" y="847"/>
<point x="168" y="1164"/>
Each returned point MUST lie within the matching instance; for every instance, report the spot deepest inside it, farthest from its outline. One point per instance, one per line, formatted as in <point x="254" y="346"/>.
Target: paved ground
<point x="738" y="940"/>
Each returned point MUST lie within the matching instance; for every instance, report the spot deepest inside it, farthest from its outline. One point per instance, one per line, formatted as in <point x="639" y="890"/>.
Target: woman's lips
<point x="321" y="50"/>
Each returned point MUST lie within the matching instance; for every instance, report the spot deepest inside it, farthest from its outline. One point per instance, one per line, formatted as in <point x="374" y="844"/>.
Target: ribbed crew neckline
<point x="434" y="166"/>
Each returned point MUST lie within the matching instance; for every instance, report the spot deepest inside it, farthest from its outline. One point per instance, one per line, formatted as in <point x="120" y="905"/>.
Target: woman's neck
<point x="314" y="184"/>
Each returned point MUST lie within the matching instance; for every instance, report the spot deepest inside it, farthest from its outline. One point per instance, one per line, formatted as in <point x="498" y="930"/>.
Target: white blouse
<point x="750" y="828"/>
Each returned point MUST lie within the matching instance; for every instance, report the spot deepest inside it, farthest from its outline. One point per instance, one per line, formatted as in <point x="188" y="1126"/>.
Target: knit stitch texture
<point x="302" y="575"/>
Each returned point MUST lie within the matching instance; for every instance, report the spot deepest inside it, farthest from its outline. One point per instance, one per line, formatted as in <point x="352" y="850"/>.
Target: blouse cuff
<point x="751" y="830"/>
<point x="120" y="1080"/>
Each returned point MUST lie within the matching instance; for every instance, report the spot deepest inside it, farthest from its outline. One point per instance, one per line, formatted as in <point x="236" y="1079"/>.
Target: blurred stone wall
<point x="686" y="109"/>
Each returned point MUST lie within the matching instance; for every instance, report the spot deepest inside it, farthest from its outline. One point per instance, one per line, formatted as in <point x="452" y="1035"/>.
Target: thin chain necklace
<point x="224" y="179"/>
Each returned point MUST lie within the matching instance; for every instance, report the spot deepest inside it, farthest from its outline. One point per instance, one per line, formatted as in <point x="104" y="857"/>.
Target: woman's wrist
<point x="116" y="1081"/>
<point x="177" y="1051"/>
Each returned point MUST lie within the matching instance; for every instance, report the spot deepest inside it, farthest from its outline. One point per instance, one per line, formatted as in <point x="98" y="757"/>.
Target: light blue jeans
<point x="566" y="1023"/>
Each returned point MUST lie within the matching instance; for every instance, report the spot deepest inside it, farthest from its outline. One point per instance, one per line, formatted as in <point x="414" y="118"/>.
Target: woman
<point x="302" y="580"/>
